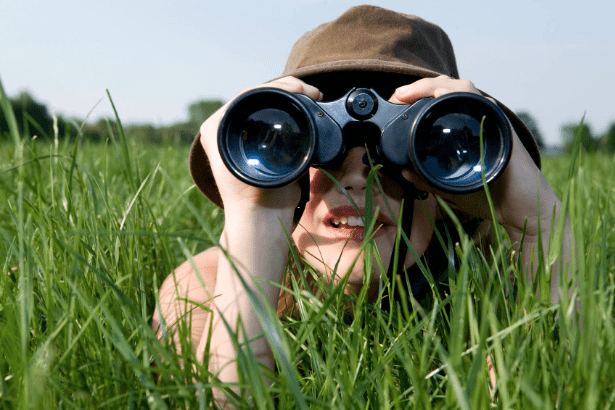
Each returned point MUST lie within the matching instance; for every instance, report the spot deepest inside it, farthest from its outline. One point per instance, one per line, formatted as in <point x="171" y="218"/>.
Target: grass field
<point x="88" y="232"/>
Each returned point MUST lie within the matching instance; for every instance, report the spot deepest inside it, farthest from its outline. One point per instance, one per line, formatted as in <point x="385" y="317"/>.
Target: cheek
<point x="320" y="184"/>
<point x="422" y="229"/>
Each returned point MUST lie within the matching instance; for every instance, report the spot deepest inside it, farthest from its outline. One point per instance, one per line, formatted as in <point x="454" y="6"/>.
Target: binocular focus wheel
<point x="362" y="104"/>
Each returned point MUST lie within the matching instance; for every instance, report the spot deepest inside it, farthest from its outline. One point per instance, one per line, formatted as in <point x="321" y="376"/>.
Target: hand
<point x="258" y="249"/>
<point x="236" y="193"/>
<point x="515" y="193"/>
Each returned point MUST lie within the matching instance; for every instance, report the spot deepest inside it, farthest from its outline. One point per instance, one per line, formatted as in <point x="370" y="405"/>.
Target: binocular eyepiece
<point x="269" y="137"/>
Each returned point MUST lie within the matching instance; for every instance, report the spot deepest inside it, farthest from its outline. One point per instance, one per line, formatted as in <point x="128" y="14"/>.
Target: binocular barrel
<point x="269" y="137"/>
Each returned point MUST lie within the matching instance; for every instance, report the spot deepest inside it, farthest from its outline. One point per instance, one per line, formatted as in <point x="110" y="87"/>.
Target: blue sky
<point x="555" y="59"/>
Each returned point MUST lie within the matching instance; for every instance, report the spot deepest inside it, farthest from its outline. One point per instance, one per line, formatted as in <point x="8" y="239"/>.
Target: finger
<point x="431" y="87"/>
<point x="411" y="93"/>
<point x="290" y="84"/>
<point x="295" y="85"/>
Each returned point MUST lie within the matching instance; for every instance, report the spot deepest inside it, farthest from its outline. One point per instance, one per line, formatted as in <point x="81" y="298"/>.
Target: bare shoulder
<point x="206" y="263"/>
<point x="196" y="277"/>
<point x="190" y="286"/>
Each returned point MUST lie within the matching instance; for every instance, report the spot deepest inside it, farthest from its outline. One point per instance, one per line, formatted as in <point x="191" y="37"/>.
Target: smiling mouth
<point x="347" y="223"/>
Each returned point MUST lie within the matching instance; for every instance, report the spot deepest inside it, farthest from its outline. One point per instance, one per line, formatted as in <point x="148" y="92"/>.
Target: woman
<point x="404" y="59"/>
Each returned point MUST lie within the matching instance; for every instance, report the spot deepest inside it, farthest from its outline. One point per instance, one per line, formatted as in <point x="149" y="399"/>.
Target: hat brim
<point x="363" y="65"/>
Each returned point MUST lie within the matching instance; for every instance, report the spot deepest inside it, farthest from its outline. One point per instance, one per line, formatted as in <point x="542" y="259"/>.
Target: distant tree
<point x="608" y="139"/>
<point x="98" y="131"/>
<point x="32" y="113"/>
<point x="569" y="135"/>
<point x="182" y="133"/>
<point x="532" y="125"/>
<point x="32" y="117"/>
<point x="144" y="132"/>
<point x="201" y="110"/>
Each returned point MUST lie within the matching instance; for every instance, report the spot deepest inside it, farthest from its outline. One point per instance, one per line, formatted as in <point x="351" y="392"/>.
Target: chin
<point x="350" y="263"/>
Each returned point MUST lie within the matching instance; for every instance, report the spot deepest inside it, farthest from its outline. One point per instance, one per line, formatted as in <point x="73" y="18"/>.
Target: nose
<point x="353" y="172"/>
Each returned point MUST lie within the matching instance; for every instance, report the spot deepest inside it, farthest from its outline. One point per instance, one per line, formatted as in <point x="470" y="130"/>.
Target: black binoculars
<point x="269" y="137"/>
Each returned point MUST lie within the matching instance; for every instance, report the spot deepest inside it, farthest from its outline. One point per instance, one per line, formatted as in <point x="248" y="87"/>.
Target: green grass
<point x="89" y="231"/>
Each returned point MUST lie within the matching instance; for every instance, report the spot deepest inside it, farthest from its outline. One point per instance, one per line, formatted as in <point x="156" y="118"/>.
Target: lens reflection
<point x="451" y="147"/>
<point x="273" y="142"/>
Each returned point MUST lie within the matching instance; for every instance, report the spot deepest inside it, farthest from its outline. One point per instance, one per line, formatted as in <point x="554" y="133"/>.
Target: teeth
<point x="350" y="221"/>
<point x="355" y="221"/>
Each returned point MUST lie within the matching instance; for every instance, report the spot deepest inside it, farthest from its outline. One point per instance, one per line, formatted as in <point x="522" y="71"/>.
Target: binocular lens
<point x="269" y="146"/>
<point x="451" y="148"/>
<point x="273" y="142"/>
<point x="446" y="142"/>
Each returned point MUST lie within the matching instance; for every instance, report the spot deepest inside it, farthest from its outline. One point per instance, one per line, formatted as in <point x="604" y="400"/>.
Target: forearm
<point x="550" y="215"/>
<point x="258" y="249"/>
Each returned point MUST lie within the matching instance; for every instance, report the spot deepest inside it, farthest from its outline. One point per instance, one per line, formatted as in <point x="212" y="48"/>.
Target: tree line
<point x="33" y="118"/>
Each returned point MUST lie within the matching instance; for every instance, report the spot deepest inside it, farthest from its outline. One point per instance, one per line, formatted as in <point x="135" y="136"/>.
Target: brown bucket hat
<point x="365" y="39"/>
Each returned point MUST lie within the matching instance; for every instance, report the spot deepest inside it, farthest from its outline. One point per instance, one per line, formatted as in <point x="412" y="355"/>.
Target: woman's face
<point x="330" y="234"/>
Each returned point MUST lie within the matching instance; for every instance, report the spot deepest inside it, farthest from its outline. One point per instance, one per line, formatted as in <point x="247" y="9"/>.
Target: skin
<point x="326" y="246"/>
<point x="255" y="219"/>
